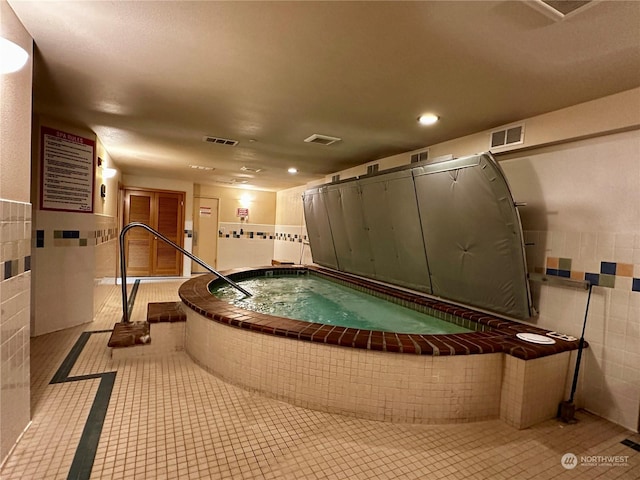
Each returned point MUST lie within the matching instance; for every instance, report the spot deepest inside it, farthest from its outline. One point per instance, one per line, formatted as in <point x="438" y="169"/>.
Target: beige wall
<point x="108" y="205"/>
<point x="262" y="205"/>
<point x="15" y="98"/>
<point x="15" y="237"/>
<point x="289" y="203"/>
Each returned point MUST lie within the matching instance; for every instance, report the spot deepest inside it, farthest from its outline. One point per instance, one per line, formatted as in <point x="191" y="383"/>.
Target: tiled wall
<point x="582" y="221"/>
<point x="106" y="258"/>
<point x="15" y="284"/>
<point x="82" y="249"/>
<point x="523" y="401"/>
<point x="604" y="259"/>
<point x="610" y="380"/>
<point x="292" y="244"/>
<point x="368" y="384"/>
<point x="244" y="245"/>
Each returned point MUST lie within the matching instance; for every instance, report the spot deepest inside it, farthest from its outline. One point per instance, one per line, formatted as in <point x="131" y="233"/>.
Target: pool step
<point x="133" y="340"/>
<point x="158" y="312"/>
<point x="130" y="334"/>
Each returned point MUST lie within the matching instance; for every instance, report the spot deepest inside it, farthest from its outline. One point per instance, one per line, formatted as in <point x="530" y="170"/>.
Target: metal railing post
<point x="123" y="265"/>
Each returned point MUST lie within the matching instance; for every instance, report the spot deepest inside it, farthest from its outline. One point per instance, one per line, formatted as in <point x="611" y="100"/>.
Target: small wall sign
<point x="242" y="212"/>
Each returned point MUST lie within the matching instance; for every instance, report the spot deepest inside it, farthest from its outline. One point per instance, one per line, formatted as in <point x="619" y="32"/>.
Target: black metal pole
<point x="574" y="385"/>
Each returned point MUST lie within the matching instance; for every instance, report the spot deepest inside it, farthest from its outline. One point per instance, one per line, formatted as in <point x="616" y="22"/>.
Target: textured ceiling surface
<point x="153" y="78"/>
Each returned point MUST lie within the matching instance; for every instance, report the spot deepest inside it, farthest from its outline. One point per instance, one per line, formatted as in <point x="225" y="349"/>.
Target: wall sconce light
<point x="106" y="171"/>
<point x="245" y="200"/>
<point x="12" y="57"/>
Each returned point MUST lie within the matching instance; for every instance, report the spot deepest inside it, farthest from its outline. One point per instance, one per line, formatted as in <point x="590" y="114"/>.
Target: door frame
<point x="181" y="219"/>
<point x="208" y="197"/>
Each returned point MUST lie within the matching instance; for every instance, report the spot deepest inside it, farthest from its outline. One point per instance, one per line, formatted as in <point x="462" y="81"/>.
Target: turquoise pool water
<point x="314" y="299"/>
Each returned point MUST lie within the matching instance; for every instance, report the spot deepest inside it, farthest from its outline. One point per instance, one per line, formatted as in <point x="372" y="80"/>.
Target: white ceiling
<point x="152" y="78"/>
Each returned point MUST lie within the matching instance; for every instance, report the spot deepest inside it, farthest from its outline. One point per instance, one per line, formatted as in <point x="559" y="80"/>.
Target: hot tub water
<point x="314" y="299"/>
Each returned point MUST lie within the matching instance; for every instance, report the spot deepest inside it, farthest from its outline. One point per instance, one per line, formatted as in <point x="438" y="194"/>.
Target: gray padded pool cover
<point x="449" y="229"/>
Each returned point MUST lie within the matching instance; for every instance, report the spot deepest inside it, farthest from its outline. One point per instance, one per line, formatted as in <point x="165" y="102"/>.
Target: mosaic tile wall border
<point x="610" y="273"/>
<point x="242" y="233"/>
<point x="73" y="238"/>
<point x="291" y="237"/>
<point x="286" y="237"/>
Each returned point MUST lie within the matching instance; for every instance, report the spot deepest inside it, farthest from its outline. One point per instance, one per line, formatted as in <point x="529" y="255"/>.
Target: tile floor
<point x="169" y="419"/>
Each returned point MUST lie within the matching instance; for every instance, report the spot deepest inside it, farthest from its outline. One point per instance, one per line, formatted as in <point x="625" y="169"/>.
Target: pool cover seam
<point x="85" y="455"/>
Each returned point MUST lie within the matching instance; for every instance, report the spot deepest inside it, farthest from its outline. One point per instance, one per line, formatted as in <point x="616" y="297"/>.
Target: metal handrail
<point x="123" y="265"/>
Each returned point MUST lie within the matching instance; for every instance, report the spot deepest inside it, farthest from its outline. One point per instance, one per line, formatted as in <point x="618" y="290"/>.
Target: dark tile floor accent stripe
<point x="67" y="364"/>
<point x="62" y="375"/>
<point x="630" y="443"/>
<point x="132" y="297"/>
<point x="88" y="445"/>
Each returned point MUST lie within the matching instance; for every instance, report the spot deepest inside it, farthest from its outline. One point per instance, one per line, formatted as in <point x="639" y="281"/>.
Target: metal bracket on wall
<point x="560" y="281"/>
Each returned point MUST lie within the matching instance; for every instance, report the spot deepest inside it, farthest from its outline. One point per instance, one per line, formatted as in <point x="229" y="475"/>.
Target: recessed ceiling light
<point x="201" y="167"/>
<point x="428" y="119"/>
<point x="292" y="170"/>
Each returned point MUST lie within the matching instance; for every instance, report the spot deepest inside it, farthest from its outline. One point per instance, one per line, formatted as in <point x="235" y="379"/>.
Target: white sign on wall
<point x="67" y="173"/>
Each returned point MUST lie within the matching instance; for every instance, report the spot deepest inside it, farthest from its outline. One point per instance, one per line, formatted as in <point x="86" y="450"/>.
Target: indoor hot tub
<point x="480" y="371"/>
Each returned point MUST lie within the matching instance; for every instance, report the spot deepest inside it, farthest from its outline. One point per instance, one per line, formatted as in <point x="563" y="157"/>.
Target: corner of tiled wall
<point x="15" y="299"/>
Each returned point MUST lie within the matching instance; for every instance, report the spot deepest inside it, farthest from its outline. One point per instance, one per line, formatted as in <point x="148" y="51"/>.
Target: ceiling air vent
<point x="322" y="139"/>
<point x="420" y="156"/>
<point x="220" y="141"/>
<point x="513" y="135"/>
<point x="231" y="181"/>
<point x="250" y="169"/>
<point x="559" y="9"/>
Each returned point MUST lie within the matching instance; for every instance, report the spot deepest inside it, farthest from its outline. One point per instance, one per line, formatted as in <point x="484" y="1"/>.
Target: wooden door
<point x="167" y="260"/>
<point x="205" y="232"/>
<point x="163" y="211"/>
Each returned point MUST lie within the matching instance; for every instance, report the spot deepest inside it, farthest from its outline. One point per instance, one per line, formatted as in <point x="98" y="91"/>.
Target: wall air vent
<point x="372" y="168"/>
<point x="507" y="137"/>
<point x="335" y="178"/>
<point x="420" y="156"/>
<point x="250" y="169"/>
<point x="322" y="139"/>
<point x="220" y="141"/>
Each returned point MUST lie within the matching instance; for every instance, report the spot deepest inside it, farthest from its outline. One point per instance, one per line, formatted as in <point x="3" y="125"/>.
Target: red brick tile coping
<point x="492" y="334"/>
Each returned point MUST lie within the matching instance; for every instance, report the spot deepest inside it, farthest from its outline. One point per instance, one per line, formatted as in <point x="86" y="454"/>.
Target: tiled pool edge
<point x="441" y="382"/>
<point x="499" y="335"/>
